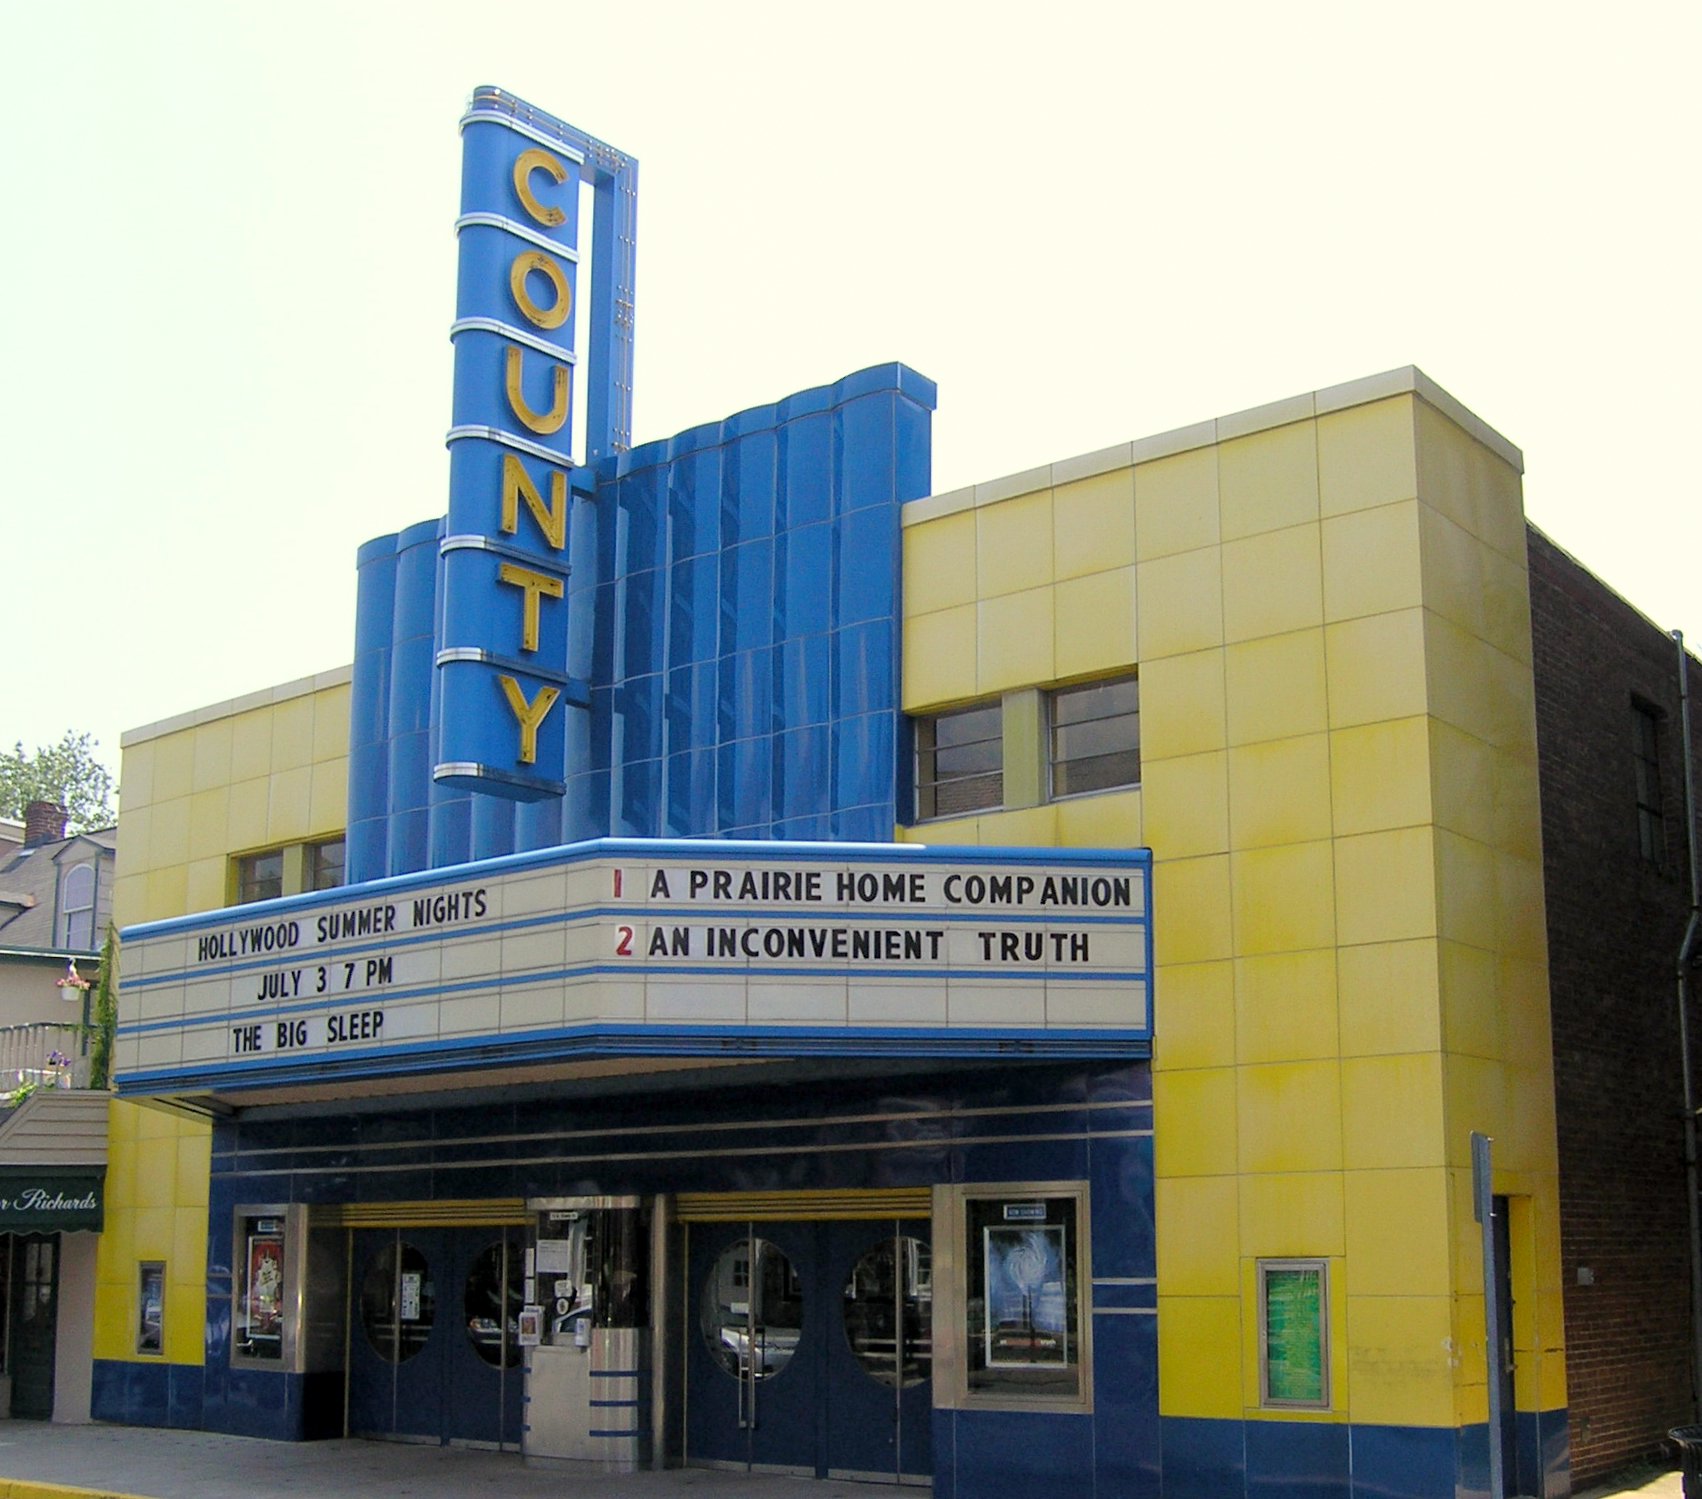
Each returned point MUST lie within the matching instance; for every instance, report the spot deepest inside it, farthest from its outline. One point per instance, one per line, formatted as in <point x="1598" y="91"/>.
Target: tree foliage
<point x="67" y="773"/>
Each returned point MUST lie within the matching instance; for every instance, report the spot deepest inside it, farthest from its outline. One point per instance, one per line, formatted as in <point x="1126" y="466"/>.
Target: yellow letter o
<point x="543" y="317"/>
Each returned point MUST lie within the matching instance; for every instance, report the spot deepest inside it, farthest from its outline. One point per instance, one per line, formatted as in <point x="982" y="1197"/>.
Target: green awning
<point x="35" y="1199"/>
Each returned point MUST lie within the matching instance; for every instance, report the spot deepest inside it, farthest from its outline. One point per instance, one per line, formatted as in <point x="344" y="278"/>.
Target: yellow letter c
<point x="538" y="160"/>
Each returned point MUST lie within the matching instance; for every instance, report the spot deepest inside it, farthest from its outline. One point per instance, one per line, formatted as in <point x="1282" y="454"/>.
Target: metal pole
<point x="1483" y="1209"/>
<point x="1693" y="1206"/>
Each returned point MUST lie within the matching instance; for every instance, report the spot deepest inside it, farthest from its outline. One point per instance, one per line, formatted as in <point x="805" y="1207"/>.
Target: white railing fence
<point x="26" y="1053"/>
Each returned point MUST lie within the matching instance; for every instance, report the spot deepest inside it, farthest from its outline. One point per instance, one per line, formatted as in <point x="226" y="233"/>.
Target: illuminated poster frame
<point x="1294" y="1334"/>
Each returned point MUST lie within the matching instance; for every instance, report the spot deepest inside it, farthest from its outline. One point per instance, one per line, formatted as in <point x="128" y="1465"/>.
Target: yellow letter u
<point x="548" y="422"/>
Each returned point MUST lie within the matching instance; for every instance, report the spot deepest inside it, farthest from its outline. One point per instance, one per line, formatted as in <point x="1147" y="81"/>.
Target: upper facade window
<point x="1646" y="757"/>
<point x="959" y="762"/>
<point x="324" y="865"/>
<point x="77" y="908"/>
<point x="259" y="876"/>
<point x="293" y="869"/>
<point x="1094" y="736"/>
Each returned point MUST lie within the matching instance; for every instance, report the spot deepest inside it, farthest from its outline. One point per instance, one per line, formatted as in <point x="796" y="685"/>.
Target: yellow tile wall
<point x="1330" y="618"/>
<point x="156" y="1209"/>
<point x="189" y="798"/>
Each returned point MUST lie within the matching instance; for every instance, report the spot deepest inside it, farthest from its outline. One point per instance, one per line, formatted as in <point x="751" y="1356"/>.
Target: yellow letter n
<point x="517" y="485"/>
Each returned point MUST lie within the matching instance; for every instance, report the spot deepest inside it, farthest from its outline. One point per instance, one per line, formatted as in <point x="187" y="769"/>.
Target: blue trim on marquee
<point x="467" y="1054"/>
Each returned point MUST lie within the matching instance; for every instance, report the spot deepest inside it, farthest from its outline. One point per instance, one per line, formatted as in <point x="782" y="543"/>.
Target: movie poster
<point x="1027" y="1325"/>
<point x="1294" y="1336"/>
<point x="265" y="1286"/>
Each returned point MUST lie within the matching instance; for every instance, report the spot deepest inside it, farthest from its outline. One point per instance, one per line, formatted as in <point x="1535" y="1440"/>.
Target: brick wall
<point x="1614" y="928"/>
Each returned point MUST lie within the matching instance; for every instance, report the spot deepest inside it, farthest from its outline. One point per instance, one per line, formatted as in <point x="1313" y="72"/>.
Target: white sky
<point x="229" y="263"/>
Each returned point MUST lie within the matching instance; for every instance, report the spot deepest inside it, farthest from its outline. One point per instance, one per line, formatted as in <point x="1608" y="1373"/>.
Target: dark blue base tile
<point x="1545" y="1449"/>
<point x="1556" y="1451"/>
<point x="1126" y="1439"/>
<point x="185" y="1386"/>
<point x="945" y="1454"/>
<point x="1020" y="1455"/>
<point x="1286" y="1459"/>
<point x="258" y="1403"/>
<point x="1472" y="1480"/>
<point x="1203" y="1459"/>
<point x="1404" y="1462"/>
<point x="134" y="1394"/>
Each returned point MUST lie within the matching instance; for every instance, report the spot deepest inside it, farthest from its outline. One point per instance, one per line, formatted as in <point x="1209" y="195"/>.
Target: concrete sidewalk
<point x="1643" y="1483"/>
<point x="39" y="1461"/>
<point x="122" y="1462"/>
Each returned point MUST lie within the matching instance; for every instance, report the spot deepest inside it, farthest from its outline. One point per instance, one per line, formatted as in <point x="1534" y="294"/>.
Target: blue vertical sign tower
<point x="698" y="637"/>
<point x="530" y="347"/>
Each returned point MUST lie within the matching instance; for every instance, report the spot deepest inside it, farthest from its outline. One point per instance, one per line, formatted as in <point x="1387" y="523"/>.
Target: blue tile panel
<point x="242" y="1402"/>
<point x="411" y="675"/>
<point x="368" y="829"/>
<point x="815" y="1130"/>
<point x="1267" y="1459"/>
<point x="1017" y="1455"/>
<point x="815" y="1127"/>
<point x="733" y="625"/>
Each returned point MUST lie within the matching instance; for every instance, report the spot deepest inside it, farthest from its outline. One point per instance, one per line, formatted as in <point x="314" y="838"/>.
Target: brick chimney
<point x="44" y="822"/>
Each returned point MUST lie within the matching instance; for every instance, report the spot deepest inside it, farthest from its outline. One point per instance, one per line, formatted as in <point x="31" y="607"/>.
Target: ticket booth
<point x="586" y="1330"/>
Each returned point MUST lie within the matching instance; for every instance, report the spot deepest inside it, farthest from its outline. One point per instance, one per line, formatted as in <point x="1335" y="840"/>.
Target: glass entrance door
<point x="880" y="1408"/>
<point x="809" y="1349"/>
<point x="753" y="1356"/>
<point x="34" y="1323"/>
<point x="434" y="1316"/>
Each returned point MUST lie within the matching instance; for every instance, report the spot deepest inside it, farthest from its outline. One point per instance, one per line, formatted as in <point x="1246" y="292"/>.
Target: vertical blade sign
<point x="502" y="629"/>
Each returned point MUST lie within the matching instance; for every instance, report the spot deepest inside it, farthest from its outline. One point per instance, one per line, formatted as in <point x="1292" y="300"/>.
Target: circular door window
<point x="397" y="1302"/>
<point x="492" y="1304"/>
<point x="752" y="1310"/>
<point x="889" y="1312"/>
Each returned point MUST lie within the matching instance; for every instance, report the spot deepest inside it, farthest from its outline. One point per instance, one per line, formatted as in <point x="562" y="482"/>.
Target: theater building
<point x="761" y="965"/>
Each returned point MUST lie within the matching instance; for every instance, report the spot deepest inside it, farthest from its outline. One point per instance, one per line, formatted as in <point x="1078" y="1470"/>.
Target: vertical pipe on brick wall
<point x="1684" y="954"/>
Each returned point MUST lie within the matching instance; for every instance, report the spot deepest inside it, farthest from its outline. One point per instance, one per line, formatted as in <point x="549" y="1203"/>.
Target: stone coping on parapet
<point x="265" y="697"/>
<point x="1407" y="380"/>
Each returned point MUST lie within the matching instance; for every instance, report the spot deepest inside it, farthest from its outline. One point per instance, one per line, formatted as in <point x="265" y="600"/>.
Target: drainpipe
<point x="1685" y="950"/>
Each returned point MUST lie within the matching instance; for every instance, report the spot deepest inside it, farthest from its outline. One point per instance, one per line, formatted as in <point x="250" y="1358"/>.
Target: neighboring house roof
<point x="29" y="889"/>
<point x="56" y="1127"/>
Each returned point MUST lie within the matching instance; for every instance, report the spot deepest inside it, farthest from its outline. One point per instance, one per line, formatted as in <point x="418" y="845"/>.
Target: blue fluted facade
<point x="733" y="628"/>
